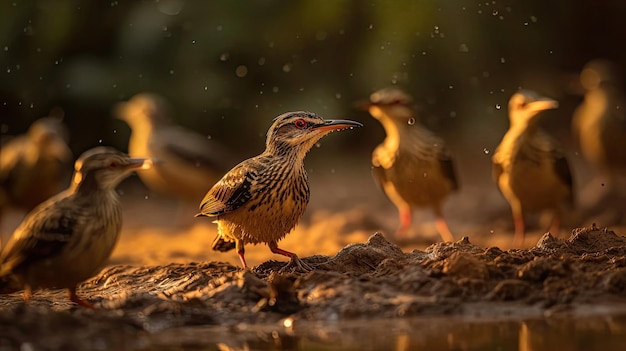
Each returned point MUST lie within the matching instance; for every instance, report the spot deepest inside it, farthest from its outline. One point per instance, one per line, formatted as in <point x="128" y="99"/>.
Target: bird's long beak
<point x="543" y="104"/>
<point x="337" y="124"/>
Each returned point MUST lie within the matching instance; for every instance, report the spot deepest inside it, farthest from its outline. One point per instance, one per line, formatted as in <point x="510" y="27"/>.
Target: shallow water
<point x="438" y="333"/>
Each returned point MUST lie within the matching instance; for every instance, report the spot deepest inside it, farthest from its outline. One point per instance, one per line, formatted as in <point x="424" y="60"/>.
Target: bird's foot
<point x="77" y="300"/>
<point x="296" y="265"/>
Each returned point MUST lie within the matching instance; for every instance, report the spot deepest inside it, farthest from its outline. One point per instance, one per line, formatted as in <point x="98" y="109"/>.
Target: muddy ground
<point x="163" y="282"/>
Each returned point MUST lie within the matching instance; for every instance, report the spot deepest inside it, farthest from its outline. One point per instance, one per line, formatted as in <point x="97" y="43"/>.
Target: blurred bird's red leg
<point x="405" y="219"/>
<point x="27" y="294"/>
<point x="555" y="225"/>
<point x="77" y="300"/>
<point x="518" y="239"/>
<point x="442" y="228"/>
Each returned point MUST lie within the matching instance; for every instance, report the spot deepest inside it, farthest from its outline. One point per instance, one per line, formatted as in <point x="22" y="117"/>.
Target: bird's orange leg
<point x="77" y="300"/>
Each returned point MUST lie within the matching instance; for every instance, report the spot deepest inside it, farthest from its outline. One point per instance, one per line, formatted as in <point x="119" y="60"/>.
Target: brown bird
<point x="34" y="166"/>
<point x="186" y="163"/>
<point x="412" y="165"/>
<point x="261" y="199"/>
<point x="67" y="238"/>
<point x="529" y="167"/>
<point x="600" y="121"/>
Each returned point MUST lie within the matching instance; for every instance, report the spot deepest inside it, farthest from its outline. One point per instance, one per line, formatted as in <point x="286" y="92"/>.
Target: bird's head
<point x="142" y="109"/>
<point x="299" y="131"/>
<point x="597" y="73"/>
<point x="102" y="168"/>
<point x="526" y="104"/>
<point x="390" y="103"/>
<point x="51" y="136"/>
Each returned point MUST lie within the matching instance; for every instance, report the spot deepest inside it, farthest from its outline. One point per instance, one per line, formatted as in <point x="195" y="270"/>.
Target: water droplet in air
<point x="411" y="121"/>
<point x="498" y="106"/>
<point x="241" y="71"/>
<point x="486" y="151"/>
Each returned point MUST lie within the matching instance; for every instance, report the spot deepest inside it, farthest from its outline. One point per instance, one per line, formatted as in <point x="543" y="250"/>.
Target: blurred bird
<point x="36" y="165"/>
<point x="186" y="163"/>
<point x="528" y="166"/>
<point x="599" y="123"/>
<point x="67" y="238"/>
<point x="261" y="199"/>
<point x="412" y="165"/>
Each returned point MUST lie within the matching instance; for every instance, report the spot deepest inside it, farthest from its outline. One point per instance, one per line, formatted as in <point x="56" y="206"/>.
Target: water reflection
<point x="452" y="333"/>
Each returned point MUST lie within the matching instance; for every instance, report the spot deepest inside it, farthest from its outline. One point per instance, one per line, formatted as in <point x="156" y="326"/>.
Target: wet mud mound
<point x="375" y="279"/>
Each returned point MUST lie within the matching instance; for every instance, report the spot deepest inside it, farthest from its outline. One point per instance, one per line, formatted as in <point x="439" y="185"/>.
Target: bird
<point x="412" y="165"/>
<point x="36" y="165"/>
<point x="67" y="238"/>
<point x="261" y="199"/>
<point x="599" y="122"/>
<point x="185" y="163"/>
<point x="529" y="167"/>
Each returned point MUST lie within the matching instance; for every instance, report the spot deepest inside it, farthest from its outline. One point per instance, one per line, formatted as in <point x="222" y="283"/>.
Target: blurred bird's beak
<point x="337" y="124"/>
<point x="119" y="110"/>
<point x="543" y="104"/>
<point x="138" y="163"/>
<point x="363" y="105"/>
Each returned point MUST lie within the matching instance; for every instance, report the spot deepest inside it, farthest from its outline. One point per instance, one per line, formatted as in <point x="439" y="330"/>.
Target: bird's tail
<point x="222" y="245"/>
<point x="9" y="284"/>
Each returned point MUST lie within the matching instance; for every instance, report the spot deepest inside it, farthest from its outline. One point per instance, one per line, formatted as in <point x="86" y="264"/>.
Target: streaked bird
<point x="186" y="163"/>
<point x="36" y="165"/>
<point x="412" y="165"/>
<point x="262" y="198"/>
<point x="599" y="123"/>
<point x="68" y="238"/>
<point x="529" y="167"/>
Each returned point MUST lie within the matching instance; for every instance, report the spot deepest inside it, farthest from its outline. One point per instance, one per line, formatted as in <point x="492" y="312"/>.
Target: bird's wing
<point x="447" y="167"/>
<point x="230" y="192"/>
<point x="42" y="234"/>
<point x="496" y="168"/>
<point x="561" y="166"/>
<point x="194" y="148"/>
<point x="380" y="162"/>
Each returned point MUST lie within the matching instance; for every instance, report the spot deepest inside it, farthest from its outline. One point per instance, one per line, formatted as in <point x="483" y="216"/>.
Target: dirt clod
<point x="371" y="279"/>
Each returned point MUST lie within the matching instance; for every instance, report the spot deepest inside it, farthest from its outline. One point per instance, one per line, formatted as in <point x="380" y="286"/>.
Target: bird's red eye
<point x="113" y="165"/>
<point x="299" y="123"/>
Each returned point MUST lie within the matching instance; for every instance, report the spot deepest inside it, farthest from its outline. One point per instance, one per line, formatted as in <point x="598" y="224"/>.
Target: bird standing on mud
<point x="34" y="166"/>
<point x="528" y="166"/>
<point x="600" y="121"/>
<point x="67" y="239"/>
<point x="261" y="199"/>
<point x="412" y="165"/>
<point x="186" y="163"/>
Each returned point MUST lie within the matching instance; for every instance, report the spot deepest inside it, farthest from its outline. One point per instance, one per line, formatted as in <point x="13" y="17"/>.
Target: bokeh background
<point x="229" y="67"/>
